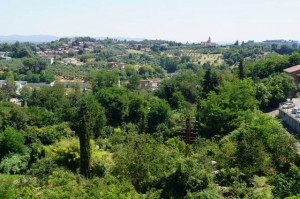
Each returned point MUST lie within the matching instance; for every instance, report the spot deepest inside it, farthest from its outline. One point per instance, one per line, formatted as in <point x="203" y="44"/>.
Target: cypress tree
<point x="241" y="69"/>
<point x="88" y="121"/>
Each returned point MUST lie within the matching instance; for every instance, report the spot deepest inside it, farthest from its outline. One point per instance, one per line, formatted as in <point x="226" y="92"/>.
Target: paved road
<point x="289" y="130"/>
<point x="275" y="111"/>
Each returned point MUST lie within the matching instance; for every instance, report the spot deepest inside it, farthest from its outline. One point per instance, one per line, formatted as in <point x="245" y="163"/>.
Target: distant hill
<point x="29" y="38"/>
<point x="123" y="38"/>
<point x="49" y="38"/>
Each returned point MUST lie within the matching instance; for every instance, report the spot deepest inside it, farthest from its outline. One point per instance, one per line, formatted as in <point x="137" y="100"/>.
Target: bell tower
<point x="209" y="40"/>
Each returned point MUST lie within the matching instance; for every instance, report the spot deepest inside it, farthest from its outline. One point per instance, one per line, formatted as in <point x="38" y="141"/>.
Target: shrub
<point x="11" y="141"/>
<point x="14" y="164"/>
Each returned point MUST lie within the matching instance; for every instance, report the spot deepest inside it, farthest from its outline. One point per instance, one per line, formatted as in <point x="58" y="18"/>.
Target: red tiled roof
<point x="292" y="69"/>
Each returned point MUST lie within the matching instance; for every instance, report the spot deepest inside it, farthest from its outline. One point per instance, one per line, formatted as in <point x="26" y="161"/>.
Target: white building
<point x="2" y="55"/>
<point x="47" y="59"/>
<point x="19" y="84"/>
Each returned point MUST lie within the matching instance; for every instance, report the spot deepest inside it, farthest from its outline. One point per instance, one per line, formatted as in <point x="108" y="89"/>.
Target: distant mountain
<point x="29" y="38"/>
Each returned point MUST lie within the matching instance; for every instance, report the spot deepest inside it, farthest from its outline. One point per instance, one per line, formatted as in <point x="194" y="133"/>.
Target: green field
<point x="216" y="59"/>
<point x="198" y="57"/>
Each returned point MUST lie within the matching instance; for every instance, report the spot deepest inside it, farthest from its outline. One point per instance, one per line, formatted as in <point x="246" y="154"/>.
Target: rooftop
<point x="292" y="69"/>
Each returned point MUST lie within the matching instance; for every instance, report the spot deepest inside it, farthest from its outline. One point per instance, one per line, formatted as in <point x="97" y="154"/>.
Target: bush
<point x="14" y="164"/>
<point x="287" y="184"/>
<point x="62" y="184"/>
<point x="42" y="169"/>
<point x="205" y="194"/>
<point x="51" y="134"/>
<point x="7" y="189"/>
<point x="11" y="141"/>
<point x="65" y="153"/>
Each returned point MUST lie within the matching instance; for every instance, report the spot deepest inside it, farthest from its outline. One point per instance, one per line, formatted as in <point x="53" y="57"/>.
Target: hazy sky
<point x="180" y="20"/>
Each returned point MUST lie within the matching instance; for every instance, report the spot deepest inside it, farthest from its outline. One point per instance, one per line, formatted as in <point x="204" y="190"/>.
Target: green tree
<point x="51" y="98"/>
<point x="263" y="95"/>
<point x="211" y="81"/>
<point x="9" y="87"/>
<point x="25" y="94"/>
<point x="134" y="82"/>
<point x="294" y="59"/>
<point x="137" y="110"/>
<point x="146" y="71"/>
<point x="89" y="120"/>
<point x="281" y="87"/>
<point x="159" y="113"/>
<point x="241" y="69"/>
<point x="220" y="113"/>
<point x="34" y="65"/>
<point x="145" y="162"/>
<point x="104" y="79"/>
<point x="190" y="176"/>
<point x="11" y="141"/>
<point x="286" y="184"/>
<point x="46" y="76"/>
<point x="116" y="103"/>
<point x="257" y="146"/>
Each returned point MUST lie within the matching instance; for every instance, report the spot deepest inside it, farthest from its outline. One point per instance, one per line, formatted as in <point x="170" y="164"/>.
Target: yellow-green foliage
<point x="294" y="197"/>
<point x="67" y="153"/>
<point x="6" y="186"/>
<point x="262" y="189"/>
<point x="117" y="130"/>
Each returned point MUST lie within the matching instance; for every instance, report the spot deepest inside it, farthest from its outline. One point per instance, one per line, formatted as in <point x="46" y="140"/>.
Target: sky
<point x="177" y="20"/>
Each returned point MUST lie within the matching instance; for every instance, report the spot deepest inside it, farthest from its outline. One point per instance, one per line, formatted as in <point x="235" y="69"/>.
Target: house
<point x="7" y="58"/>
<point x="2" y="56"/>
<point x="153" y="84"/>
<point x="112" y="65"/>
<point x="16" y="101"/>
<point x="81" y="85"/>
<point x="164" y="45"/>
<point x="19" y="84"/>
<point x="47" y="59"/>
<point x="69" y="61"/>
<point x="294" y="72"/>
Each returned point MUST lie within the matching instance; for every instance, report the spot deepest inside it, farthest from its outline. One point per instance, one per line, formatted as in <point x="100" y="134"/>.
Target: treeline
<point x="28" y="69"/>
<point x="16" y="50"/>
<point x="26" y="66"/>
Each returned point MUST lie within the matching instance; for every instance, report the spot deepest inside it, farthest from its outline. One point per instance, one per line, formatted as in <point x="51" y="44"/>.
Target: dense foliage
<point x="118" y="138"/>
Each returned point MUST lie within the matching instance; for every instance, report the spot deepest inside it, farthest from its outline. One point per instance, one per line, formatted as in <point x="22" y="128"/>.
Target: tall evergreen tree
<point x="89" y="120"/>
<point x="241" y="69"/>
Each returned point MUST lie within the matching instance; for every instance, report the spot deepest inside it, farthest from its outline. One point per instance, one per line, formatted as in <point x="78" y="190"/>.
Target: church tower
<point x="209" y="40"/>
